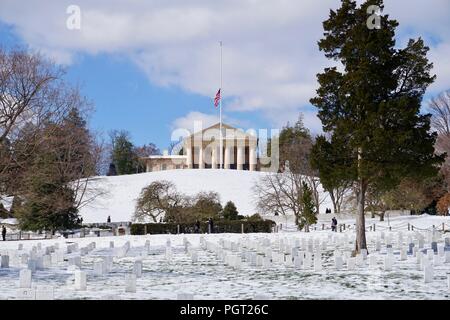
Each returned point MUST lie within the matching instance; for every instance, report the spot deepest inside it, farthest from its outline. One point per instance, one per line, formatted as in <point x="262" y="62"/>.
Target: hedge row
<point x="219" y="227"/>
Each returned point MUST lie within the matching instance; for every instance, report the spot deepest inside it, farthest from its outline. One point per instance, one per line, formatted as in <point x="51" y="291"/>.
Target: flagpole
<point x="220" y="109"/>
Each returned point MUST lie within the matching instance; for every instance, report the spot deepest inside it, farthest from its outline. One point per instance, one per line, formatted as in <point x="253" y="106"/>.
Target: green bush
<point x="221" y="226"/>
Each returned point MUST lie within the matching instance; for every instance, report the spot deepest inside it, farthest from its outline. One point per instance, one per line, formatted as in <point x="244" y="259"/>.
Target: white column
<point x="240" y="157"/>
<point x="213" y="157"/>
<point x="189" y="156"/>
<point x="252" y="157"/>
<point x="201" y="163"/>
<point x="227" y="158"/>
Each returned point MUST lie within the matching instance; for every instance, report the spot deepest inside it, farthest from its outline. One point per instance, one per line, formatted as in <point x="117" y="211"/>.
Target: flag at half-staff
<point x="217" y="99"/>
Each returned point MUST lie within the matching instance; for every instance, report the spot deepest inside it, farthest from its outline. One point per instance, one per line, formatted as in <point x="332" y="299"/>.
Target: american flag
<point x="217" y="99"/>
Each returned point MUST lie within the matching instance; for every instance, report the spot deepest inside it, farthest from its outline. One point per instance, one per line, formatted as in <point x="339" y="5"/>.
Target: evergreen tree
<point x="373" y="105"/>
<point x="112" y="170"/>
<point x="230" y="211"/>
<point x="308" y="214"/>
<point x="49" y="200"/>
<point x="295" y="145"/>
<point x="123" y="154"/>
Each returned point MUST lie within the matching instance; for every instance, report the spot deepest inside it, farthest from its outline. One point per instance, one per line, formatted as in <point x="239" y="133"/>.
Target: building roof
<point x="227" y="132"/>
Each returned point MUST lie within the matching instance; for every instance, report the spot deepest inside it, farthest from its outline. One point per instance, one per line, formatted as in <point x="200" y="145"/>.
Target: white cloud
<point x="270" y="47"/>
<point x="206" y="120"/>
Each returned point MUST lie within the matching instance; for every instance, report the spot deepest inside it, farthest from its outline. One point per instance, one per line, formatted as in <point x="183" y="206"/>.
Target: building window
<point x="163" y="167"/>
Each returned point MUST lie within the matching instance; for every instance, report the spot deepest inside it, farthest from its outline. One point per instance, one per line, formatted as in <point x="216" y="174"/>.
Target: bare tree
<point x="338" y="195"/>
<point x="32" y="94"/>
<point x="281" y="194"/>
<point x="439" y="107"/>
<point x="157" y="200"/>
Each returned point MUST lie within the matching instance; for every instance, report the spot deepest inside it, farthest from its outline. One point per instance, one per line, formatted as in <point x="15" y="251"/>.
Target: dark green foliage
<point x="222" y="226"/>
<point x="371" y="109"/>
<point x="50" y="202"/>
<point x="308" y="216"/>
<point x="3" y="211"/>
<point x="229" y="211"/>
<point x="374" y="105"/>
<point x="112" y="170"/>
<point x="294" y="146"/>
<point x="123" y="155"/>
<point x="205" y="205"/>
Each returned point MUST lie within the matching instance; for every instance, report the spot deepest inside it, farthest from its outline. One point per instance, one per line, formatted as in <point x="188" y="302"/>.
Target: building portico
<point x="201" y="150"/>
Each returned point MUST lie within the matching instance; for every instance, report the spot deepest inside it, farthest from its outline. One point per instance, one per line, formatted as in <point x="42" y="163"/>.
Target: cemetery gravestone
<point x="25" y="278"/>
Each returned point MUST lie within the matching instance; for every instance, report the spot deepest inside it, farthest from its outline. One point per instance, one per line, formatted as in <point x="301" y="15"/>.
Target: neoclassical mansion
<point x="201" y="150"/>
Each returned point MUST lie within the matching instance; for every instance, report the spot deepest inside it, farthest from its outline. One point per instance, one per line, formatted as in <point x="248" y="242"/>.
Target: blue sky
<point x="125" y="99"/>
<point x="152" y="66"/>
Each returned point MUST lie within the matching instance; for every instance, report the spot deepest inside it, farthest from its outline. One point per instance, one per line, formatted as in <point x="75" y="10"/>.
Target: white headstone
<point x="130" y="283"/>
<point x="430" y="254"/>
<point x="447" y="256"/>
<point x="111" y="244"/>
<point x="266" y="262"/>
<point x="388" y="262"/>
<point x="25" y="278"/>
<point x="428" y="273"/>
<point x="307" y="261"/>
<point x="137" y="268"/>
<point x="108" y="263"/>
<point x="403" y="253"/>
<point x="20" y="246"/>
<point x="448" y="282"/>
<point x="75" y="261"/>
<point x="364" y="253"/>
<point x="46" y="261"/>
<point x="338" y="262"/>
<point x="99" y="268"/>
<point x="437" y="261"/>
<point x="194" y="256"/>
<point x="259" y="260"/>
<point x="297" y="262"/>
<point x="5" y="261"/>
<point x="80" y="280"/>
<point x="351" y="263"/>
<point x="54" y="258"/>
<point x="32" y="265"/>
<point x="168" y="253"/>
<point x="60" y="254"/>
<point x="372" y="261"/>
<point x="359" y="260"/>
<point x="441" y="250"/>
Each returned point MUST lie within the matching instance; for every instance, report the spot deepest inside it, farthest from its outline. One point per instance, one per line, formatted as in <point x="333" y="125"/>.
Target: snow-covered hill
<point x="122" y="191"/>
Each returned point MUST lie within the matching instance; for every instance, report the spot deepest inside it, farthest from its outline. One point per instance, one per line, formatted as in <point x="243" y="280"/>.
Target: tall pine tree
<point x="372" y="104"/>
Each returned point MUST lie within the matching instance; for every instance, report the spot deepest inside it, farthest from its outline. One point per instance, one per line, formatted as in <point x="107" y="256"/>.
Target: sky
<point x="151" y="66"/>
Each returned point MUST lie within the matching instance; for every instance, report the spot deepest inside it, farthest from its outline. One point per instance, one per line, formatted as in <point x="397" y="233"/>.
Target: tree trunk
<point x="333" y="200"/>
<point x="360" y="219"/>
<point x="382" y="215"/>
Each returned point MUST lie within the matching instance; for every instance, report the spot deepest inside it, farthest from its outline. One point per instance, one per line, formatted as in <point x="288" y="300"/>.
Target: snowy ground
<point x="122" y="191"/>
<point x="214" y="276"/>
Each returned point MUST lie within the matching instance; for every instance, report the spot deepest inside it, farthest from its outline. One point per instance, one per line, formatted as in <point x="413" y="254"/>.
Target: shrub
<point x="221" y="226"/>
<point x="229" y="211"/>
